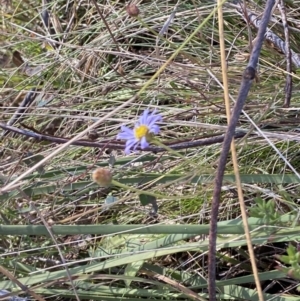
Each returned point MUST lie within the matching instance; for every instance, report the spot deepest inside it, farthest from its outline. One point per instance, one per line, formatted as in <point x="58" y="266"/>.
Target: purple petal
<point x="153" y="118"/>
<point x="148" y="119"/>
<point x="127" y="150"/>
<point x="144" y="117"/>
<point x="135" y="146"/>
<point x="126" y="133"/>
<point x="129" y="145"/>
<point x="125" y="128"/>
<point x="154" y="129"/>
<point x="144" y="143"/>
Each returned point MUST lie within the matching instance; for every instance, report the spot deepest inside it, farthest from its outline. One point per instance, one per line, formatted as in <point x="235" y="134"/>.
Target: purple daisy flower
<point x="143" y="131"/>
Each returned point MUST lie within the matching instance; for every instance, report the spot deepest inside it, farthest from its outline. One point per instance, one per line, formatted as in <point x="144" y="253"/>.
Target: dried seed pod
<point x="132" y="10"/>
<point x="92" y="134"/>
<point x="102" y="176"/>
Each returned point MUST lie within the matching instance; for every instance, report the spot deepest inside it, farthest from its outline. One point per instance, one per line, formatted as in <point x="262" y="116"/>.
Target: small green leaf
<point x="146" y="199"/>
<point x="149" y="199"/>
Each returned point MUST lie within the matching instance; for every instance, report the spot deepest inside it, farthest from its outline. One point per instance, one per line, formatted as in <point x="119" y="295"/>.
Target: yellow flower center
<point x="141" y="131"/>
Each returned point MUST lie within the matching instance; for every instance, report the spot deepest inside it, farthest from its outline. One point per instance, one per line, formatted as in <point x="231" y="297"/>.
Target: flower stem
<point x="167" y="148"/>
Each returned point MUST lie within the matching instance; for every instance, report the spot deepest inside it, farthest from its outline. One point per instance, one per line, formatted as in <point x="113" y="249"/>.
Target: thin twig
<point x="235" y="163"/>
<point x="106" y="24"/>
<point x="248" y="76"/>
<point x="114" y="145"/>
<point x="288" y="54"/>
<point x="212" y="271"/>
<point x="212" y="294"/>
